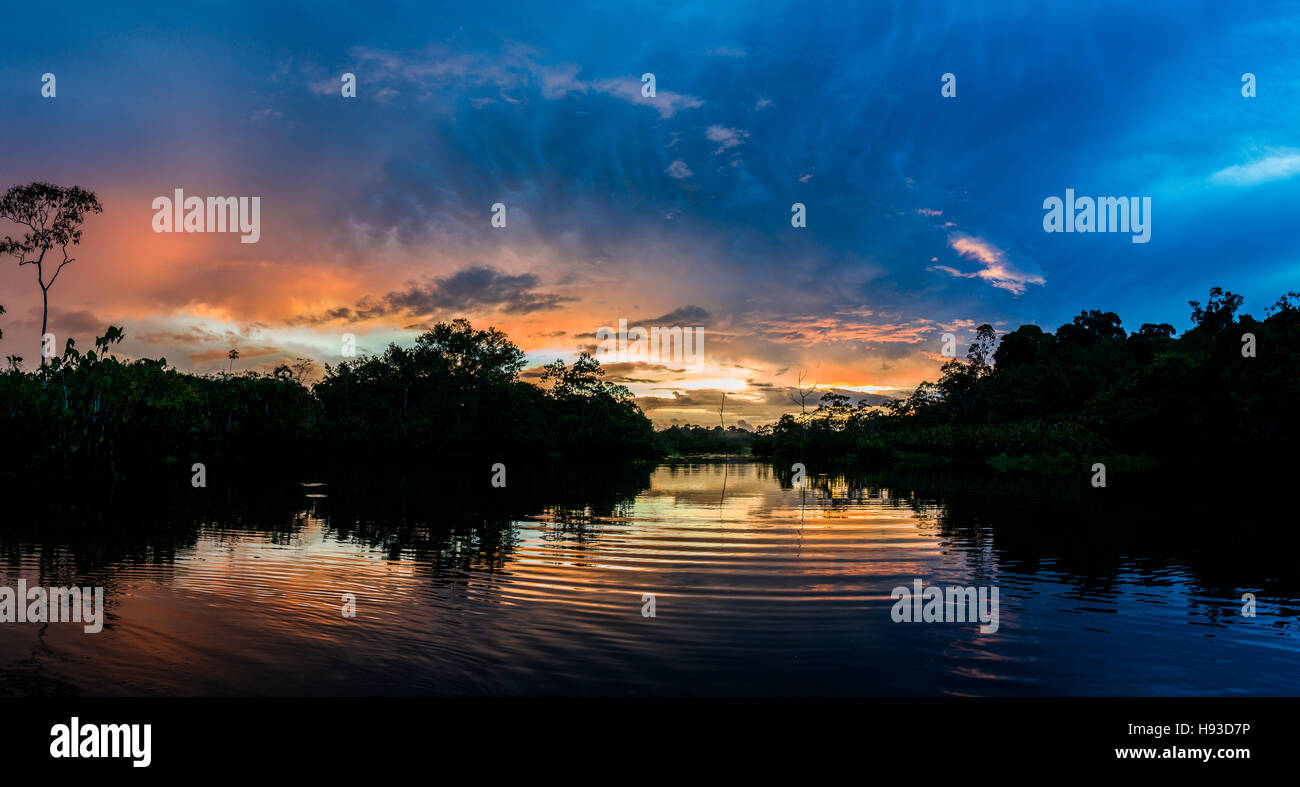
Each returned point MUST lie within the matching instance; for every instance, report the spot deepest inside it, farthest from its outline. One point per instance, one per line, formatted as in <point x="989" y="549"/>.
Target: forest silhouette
<point x="1227" y="389"/>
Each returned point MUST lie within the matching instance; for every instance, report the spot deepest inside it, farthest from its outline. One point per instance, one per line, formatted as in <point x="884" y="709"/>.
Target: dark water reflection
<point x="760" y="588"/>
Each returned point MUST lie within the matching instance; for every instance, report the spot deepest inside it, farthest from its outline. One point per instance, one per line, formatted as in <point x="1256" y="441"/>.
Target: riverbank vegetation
<point x="1227" y="390"/>
<point x="456" y="392"/>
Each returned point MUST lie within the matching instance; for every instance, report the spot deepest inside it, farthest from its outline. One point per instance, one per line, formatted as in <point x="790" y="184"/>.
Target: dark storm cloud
<point x="470" y="290"/>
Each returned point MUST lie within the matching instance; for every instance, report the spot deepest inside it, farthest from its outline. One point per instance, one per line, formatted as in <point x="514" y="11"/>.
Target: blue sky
<point x="924" y="212"/>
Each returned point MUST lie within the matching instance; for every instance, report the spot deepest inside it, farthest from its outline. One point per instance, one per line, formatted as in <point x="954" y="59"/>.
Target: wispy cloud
<point x="509" y="71"/>
<point x="1280" y="165"/>
<point x="997" y="271"/>
<point x="859" y="326"/>
<point x="264" y="115"/>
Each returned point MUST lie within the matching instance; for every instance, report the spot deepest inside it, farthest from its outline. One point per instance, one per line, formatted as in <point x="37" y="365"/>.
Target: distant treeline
<point x="705" y="440"/>
<point x="1226" y="392"/>
<point x="457" y="391"/>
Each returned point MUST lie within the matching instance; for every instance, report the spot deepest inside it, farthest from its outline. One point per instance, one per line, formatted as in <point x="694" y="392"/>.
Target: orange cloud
<point x="997" y="270"/>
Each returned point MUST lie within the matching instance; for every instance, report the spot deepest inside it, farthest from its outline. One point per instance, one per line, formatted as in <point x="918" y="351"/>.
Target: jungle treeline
<point x="455" y="392"/>
<point x="1226" y="391"/>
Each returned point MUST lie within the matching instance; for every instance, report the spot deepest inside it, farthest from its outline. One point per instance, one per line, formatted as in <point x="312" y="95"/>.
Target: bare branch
<point x="66" y="260"/>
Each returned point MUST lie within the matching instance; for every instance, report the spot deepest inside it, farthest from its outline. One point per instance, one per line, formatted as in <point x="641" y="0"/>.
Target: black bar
<point x="300" y="737"/>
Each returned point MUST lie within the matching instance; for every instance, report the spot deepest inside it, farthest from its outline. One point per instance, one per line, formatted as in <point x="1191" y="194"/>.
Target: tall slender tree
<point x="53" y="216"/>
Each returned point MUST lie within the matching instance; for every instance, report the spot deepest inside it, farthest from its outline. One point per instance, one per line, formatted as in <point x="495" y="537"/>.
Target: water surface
<point x="759" y="588"/>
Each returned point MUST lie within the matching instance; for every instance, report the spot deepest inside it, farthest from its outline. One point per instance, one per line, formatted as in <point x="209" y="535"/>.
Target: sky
<point x="924" y="213"/>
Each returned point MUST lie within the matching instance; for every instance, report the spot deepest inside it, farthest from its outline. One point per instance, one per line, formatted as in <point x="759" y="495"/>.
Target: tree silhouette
<point x="799" y="396"/>
<point x="53" y="216"/>
<point x="982" y="350"/>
